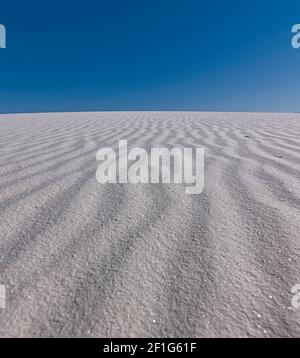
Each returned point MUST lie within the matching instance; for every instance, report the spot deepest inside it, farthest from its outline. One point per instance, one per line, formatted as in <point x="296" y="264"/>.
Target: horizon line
<point x="148" y="110"/>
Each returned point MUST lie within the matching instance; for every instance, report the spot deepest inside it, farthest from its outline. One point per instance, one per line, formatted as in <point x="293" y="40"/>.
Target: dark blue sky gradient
<point x="149" y="55"/>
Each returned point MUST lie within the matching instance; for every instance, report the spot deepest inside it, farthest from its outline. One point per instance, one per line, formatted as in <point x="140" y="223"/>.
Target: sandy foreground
<point x="83" y="259"/>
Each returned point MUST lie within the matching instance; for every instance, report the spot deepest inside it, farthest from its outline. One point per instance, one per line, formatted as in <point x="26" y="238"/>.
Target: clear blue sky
<point x="149" y="55"/>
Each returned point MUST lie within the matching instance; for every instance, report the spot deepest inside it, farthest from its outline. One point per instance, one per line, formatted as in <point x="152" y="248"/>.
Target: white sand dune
<point x="81" y="259"/>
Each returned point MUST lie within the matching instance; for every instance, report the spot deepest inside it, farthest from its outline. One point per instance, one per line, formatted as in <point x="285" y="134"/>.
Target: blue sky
<point x="149" y="55"/>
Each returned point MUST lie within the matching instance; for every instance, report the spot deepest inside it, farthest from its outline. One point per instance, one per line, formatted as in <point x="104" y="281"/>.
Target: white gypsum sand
<point x="83" y="259"/>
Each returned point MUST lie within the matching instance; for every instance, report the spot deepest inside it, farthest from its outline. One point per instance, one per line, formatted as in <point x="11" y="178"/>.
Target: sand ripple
<point x="83" y="259"/>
